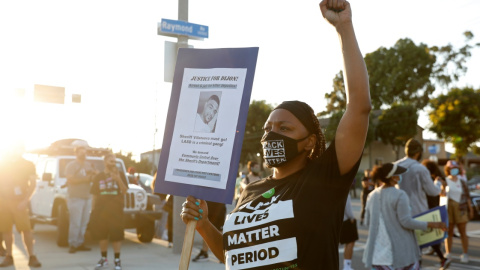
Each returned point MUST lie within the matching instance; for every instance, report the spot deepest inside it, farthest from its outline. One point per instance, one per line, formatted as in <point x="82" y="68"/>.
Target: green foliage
<point x="331" y="129"/>
<point x="337" y="99"/>
<point x="455" y="117"/>
<point x="406" y="73"/>
<point x="451" y="63"/>
<point x="334" y="120"/>
<point x="258" y="113"/>
<point x="144" y="166"/>
<point x="396" y="125"/>
<point x="401" y="73"/>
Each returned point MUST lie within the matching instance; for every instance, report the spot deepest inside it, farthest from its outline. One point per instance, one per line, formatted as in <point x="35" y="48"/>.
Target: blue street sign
<point x="181" y="28"/>
<point x="433" y="149"/>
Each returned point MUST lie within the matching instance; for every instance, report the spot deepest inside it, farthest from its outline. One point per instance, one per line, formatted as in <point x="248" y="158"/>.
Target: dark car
<point x="474" y="187"/>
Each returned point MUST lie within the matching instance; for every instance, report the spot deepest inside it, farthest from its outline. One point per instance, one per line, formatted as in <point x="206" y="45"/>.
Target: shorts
<point x="10" y="215"/>
<point x="106" y="222"/>
<point x="349" y="232"/>
<point x="455" y="215"/>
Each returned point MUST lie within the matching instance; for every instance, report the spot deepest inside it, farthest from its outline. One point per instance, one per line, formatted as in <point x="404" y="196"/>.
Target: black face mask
<point x="279" y="149"/>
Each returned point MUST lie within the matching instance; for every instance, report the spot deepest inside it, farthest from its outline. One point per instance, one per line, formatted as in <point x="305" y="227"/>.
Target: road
<point x="156" y="255"/>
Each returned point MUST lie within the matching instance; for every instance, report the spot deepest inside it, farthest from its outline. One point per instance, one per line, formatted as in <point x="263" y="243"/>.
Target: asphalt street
<point x="157" y="255"/>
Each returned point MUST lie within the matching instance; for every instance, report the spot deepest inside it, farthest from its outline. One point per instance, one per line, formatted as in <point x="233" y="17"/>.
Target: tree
<point x="456" y="118"/>
<point x="258" y="113"/>
<point x="144" y="166"/>
<point x="337" y="99"/>
<point x="331" y="129"/>
<point x="406" y="72"/>
<point x="397" y="125"/>
<point x="401" y="73"/>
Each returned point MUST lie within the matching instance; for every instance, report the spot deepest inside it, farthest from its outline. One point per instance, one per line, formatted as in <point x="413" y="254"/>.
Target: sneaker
<point x="7" y="261"/>
<point x="447" y="256"/>
<point x="118" y="264"/>
<point x="170" y="244"/>
<point x="102" y="263"/>
<point x="201" y="257"/>
<point x="83" y="248"/>
<point x="33" y="262"/>
<point x="72" y="249"/>
<point x="428" y="251"/>
<point x="445" y="263"/>
<point x="464" y="258"/>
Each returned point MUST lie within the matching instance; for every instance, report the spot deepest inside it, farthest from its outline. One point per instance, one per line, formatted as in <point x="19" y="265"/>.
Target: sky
<point x="109" y="52"/>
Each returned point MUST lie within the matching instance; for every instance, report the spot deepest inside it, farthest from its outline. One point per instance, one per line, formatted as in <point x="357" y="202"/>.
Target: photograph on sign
<point x="205" y="129"/>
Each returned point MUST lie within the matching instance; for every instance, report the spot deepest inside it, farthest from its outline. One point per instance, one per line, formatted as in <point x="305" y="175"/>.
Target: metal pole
<point x="178" y="225"/>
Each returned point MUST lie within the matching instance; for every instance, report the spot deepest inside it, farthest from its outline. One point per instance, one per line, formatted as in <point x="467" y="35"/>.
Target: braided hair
<point x="303" y="112"/>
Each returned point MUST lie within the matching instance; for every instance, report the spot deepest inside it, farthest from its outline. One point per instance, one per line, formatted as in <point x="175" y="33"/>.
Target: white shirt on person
<point x="454" y="189"/>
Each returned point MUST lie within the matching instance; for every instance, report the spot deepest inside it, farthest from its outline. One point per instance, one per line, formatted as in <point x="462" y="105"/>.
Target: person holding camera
<point x="79" y="174"/>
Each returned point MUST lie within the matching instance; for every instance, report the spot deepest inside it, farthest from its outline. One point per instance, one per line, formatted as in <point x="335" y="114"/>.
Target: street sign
<point x="174" y="28"/>
<point x="170" y="60"/>
<point x="434" y="149"/>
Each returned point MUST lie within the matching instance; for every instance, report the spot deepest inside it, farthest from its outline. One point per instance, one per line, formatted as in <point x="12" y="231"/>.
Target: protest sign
<point x="206" y="122"/>
<point x="431" y="236"/>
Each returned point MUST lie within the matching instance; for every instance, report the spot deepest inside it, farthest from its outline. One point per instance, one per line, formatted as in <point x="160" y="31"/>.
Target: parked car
<point x="49" y="205"/>
<point x="144" y="180"/>
<point x="474" y="187"/>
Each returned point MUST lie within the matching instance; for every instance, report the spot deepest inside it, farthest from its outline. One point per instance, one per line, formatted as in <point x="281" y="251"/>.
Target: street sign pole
<point x="179" y="227"/>
<point x="183" y="31"/>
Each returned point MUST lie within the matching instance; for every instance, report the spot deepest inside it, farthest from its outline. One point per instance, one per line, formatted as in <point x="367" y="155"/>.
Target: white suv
<point x="49" y="204"/>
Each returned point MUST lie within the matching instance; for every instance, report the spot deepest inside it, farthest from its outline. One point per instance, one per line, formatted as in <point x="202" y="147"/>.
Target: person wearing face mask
<point x="459" y="208"/>
<point x="79" y="174"/>
<point x="108" y="188"/>
<point x="417" y="182"/>
<point x="252" y="176"/>
<point x="292" y="218"/>
<point x="391" y="242"/>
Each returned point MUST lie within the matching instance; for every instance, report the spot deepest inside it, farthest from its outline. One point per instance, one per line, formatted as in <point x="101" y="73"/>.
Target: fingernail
<point x="200" y="216"/>
<point x="196" y="218"/>
<point x="197" y="203"/>
<point x="201" y="210"/>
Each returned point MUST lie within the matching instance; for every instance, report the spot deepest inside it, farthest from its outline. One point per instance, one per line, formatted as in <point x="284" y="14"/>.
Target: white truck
<point x="49" y="203"/>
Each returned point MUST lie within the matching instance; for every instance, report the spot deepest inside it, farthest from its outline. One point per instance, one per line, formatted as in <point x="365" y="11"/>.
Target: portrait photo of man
<point x="207" y="111"/>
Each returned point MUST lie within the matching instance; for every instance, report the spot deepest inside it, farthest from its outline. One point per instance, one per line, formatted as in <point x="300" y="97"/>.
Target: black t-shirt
<point x="290" y="223"/>
<point x="14" y="178"/>
<point x="106" y="190"/>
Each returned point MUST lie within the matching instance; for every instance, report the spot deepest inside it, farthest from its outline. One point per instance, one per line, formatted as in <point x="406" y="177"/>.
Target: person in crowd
<point x="207" y="118"/>
<point x="417" y="182"/>
<point x="292" y="218"/>
<point x="108" y="189"/>
<point x="166" y="222"/>
<point x="79" y="174"/>
<point x="133" y="179"/>
<point x="238" y="186"/>
<point x="17" y="181"/>
<point x="434" y="201"/>
<point x="367" y="186"/>
<point x="252" y="176"/>
<point x="216" y="214"/>
<point x="391" y="242"/>
<point x="348" y="234"/>
<point x="459" y="208"/>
